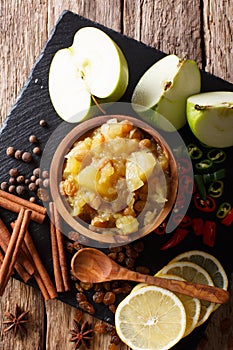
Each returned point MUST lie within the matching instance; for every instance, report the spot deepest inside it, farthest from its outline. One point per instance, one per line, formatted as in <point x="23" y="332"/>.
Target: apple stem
<point x="98" y="105"/>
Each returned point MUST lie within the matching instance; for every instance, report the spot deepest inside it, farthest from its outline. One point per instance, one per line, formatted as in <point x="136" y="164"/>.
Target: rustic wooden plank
<point x="27" y="299"/>
<point x="23" y="28"/>
<point x="218" y="37"/>
<point x="169" y="26"/>
<point x="107" y="13"/>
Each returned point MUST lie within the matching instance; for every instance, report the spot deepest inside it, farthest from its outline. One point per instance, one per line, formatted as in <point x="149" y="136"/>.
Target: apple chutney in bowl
<point x="116" y="179"/>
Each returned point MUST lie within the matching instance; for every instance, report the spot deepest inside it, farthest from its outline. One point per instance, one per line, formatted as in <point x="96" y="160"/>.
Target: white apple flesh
<point x="210" y="117"/>
<point x="93" y="66"/>
<point x="164" y="89"/>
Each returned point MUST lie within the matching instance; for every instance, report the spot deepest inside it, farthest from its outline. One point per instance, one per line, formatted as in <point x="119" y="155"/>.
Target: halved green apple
<point x="162" y="91"/>
<point x="210" y="117"/>
<point x="93" y="68"/>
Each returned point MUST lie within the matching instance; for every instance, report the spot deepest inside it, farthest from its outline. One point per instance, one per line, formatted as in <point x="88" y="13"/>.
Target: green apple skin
<point x="93" y="66"/>
<point x="210" y="118"/>
<point x="161" y="94"/>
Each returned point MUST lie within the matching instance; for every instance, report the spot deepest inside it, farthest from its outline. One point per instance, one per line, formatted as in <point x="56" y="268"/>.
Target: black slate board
<point x="33" y="104"/>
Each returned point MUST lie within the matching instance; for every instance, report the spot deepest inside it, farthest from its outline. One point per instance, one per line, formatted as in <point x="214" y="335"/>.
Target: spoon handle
<point x="195" y="290"/>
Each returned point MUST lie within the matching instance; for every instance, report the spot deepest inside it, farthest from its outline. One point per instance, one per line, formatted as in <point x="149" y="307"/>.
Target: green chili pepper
<point x="204" y="165"/>
<point x="194" y="151"/>
<point x="200" y="186"/>
<point x="223" y="210"/>
<point x="216" y="155"/>
<point x="216" y="189"/>
<point x="217" y="175"/>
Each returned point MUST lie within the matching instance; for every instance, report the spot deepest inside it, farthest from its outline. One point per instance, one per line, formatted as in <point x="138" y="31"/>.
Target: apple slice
<point x="210" y="117"/>
<point x="93" y="67"/>
<point x="162" y="91"/>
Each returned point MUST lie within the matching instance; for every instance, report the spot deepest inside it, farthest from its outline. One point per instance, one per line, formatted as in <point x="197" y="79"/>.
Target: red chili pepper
<point x="177" y="237"/>
<point x="209" y="233"/>
<point x="227" y="221"/>
<point x="181" y="220"/>
<point x="186" y="183"/>
<point x="207" y="206"/>
<point x="198" y="226"/>
<point x="184" y="166"/>
<point x="160" y="230"/>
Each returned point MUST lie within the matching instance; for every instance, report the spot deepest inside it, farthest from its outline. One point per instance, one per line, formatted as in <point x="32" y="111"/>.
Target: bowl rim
<point x="86" y="229"/>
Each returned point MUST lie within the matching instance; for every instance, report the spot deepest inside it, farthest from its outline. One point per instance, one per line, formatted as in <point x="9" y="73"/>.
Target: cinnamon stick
<point x="58" y="251"/>
<point x="55" y="253"/>
<point x="15" y="203"/>
<point x="61" y="251"/>
<point x="41" y="275"/>
<point x="5" y="237"/>
<point x="14" y="247"/>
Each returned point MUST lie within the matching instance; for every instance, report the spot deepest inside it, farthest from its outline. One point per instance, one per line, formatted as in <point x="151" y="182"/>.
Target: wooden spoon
<point x="93" y="266"/>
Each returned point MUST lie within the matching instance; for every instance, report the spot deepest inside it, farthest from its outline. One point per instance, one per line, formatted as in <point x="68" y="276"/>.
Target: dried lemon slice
<point x="152" y="318"/>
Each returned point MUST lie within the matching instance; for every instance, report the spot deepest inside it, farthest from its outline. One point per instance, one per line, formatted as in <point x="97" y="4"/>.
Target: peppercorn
<point x="43" y="123"/>
<point x="13" y="172"/>
<point x="33" y="178"/>
<point x="27" y="181"/>
<point x="33" y="139"/>
<point x="4" y="186"/>
<point x="20" y="179"/>
<point x="26" y="157"/>
<point x="10" y="151"/>
<point x="36" y="172"/>
<point x="18" y="154"/>
<point x="39" y="182"/>
<point x="36" y="150"/>
<point x="46" y="183"/>
<point x="11" y="180"/>
<point x="32" y="187"/>
<point x="11" y="188"/>
<point x="20" y="190"/>
<point x="32" y="199"/>
<point x="45" y="174"/>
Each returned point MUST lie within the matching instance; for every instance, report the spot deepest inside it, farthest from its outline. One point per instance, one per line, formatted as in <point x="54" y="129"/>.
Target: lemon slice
<point x="192" y="306"/>
<point x="139" y="286"/>
<point x="210" y="264"/>
<point x="193" y="273"/>
<point x="152" y="318"/>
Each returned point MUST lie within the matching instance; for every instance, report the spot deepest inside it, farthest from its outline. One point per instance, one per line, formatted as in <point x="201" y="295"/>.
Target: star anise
<point x="81" y="334"/>
<point x="16" y="321"/>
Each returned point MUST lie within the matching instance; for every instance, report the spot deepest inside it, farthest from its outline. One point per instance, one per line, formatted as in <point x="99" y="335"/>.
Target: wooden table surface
<point x="201" y="28"/>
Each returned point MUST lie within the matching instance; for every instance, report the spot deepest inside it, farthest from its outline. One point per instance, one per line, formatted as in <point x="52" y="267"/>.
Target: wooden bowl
<point x="92" y="235"/>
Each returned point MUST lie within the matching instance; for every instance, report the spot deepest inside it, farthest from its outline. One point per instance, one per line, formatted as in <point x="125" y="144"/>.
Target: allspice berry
<point x="20" y="179"/>
<point x="13" y="172"/>
<point x="18" y="154"/>
<point x="43" y="123"/>
<point x="10" y="151"/>
<point x="4" y="186"/>
<point x="33" y="139"/>
<point x="26" y="157"/>
<point x="36" y="150"/>
<point x="36" y="172"/>
<point x="20" y="190"/>
<point x="32" y="187"/>
<point x="11" y="189"/>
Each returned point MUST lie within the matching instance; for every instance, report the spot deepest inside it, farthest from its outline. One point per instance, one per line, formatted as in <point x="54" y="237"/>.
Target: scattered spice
<point x="33" y="139"/>
<point x="20" y="179"/>
<point x="82" y="334"/>
<point x="36" y="150"/>
<point x="43" y="123"/>
<point x="10" y="151"/>
<point x="4" y="186"/>
<point x="16" y="321"/>
<point x="18" y="154"/>
<point x="20" y="190"/>
<point x="26" y="157"/>
<point x="14" y="172"/>
<point x="12" y="188"/>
